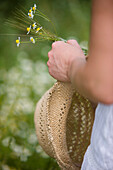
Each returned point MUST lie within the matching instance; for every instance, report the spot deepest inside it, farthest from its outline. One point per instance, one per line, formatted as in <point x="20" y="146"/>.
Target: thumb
<point x="73" y="43"/>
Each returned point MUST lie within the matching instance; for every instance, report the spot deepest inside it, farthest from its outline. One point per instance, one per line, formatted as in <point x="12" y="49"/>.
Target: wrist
<point x="75" y="65"/>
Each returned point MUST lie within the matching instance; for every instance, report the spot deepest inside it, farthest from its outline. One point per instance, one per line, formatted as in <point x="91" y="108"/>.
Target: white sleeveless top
<point x="99" y="155"/>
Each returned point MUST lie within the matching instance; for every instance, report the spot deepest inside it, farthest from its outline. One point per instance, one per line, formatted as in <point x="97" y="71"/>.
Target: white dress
<point x="99" y="155"/>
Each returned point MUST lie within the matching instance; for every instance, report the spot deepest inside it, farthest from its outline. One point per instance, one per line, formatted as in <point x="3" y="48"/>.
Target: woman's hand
<point x="62" y="57"/>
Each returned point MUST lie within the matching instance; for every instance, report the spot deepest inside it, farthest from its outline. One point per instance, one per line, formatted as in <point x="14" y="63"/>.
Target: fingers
<point x="50" y="54"/>
<point x="50" y="63"/>
<point x="55" y="47"/>
<point x="57" y="43"/>
<point x="51" y="58"/>
<point x="73" y="43"/>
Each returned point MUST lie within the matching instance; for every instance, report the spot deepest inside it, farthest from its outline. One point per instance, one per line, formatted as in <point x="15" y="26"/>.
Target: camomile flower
<point x="34" y="8"/>
<point x="40" y="33"/>
<point x="32" y="40"/>
<point x="38" y="29"/>
<point x="34" y="25"/>
<point x="30" y="14"/>
<point x="28" y="29"/>
<point x="18" y="41"/>
<point x="30" y="11"/>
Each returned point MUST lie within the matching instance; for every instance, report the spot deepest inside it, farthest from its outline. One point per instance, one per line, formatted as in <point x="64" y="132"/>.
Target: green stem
<point x="44" y="16"/>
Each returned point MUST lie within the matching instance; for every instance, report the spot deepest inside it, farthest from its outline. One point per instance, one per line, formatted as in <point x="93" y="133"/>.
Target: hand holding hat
<point x="63" y="118"/>
<point x="61" y="57"/>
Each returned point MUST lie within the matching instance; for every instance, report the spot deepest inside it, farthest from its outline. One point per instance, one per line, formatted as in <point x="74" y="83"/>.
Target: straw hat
<point x="63" y="121"/>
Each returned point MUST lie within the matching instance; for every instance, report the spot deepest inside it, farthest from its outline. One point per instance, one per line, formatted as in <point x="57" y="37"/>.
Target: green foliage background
<point x="24" y="78"/>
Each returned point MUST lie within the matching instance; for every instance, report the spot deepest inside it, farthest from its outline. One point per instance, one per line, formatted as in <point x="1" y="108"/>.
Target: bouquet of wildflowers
<point x="34" y="30"/>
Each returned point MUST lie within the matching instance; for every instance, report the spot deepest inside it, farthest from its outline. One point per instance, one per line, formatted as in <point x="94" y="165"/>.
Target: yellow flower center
<point x="33" y="25"/>
<point x="38" y="29"/>
<point x="17" y="41"/>
<point x="30" y="11"/>
<point x="32" y="39"/>
<point x="28" y="29"/>
<point x="40" y="33"/>
<point x="33" y="8"/>
<point x="30" y="15"/>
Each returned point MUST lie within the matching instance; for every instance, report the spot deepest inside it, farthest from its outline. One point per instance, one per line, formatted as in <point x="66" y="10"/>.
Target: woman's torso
<point x="100" y="152"/>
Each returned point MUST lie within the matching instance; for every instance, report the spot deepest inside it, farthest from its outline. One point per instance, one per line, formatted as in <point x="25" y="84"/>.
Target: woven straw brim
<point x="63" y="120"/>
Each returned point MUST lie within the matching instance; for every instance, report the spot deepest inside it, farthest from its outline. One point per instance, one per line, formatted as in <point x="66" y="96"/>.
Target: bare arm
<point x="95" y="78"/>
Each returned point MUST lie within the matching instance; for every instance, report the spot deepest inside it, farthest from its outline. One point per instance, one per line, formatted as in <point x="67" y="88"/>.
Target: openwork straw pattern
<point x="63" y="121"/>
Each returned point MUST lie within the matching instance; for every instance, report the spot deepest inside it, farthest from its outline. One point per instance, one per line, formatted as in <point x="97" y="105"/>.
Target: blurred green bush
<point x="24" y="78"/>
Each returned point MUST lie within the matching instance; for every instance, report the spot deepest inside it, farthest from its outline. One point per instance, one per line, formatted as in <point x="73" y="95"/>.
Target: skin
<point x="93" y="78"/>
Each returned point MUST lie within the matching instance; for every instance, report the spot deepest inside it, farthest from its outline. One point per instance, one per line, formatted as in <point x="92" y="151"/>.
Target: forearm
<point x="81" y="79"/>
<point x="91" y="83"/>
<point x="94" y="79"/>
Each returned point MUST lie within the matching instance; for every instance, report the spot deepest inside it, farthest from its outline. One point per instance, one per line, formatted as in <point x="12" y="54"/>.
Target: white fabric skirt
<point x="99" y="155"/>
